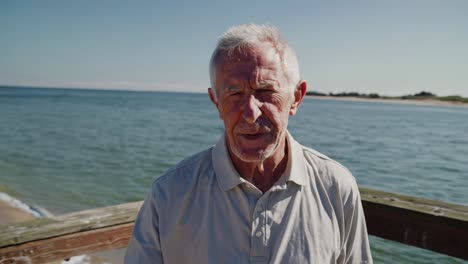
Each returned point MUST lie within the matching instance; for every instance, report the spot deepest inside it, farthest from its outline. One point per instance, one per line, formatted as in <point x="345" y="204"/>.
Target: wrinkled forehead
<point x="262" y="56"/>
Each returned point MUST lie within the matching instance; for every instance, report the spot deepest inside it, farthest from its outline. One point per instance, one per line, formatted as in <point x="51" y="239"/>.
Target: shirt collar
<point x="228" y="177"/>
<point x="226" y="174"/>
<point x="296" y="168"/>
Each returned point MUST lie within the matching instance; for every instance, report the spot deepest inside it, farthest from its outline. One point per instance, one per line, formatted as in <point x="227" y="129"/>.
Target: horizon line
<point x="98" y="89"/>
<point x="182" y="91"/>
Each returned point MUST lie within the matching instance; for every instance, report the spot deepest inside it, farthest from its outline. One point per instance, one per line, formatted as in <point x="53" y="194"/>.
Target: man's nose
<point x="251" y="110"/>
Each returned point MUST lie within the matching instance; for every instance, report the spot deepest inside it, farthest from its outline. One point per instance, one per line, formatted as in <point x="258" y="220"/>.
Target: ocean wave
<point x="36" y="211"/>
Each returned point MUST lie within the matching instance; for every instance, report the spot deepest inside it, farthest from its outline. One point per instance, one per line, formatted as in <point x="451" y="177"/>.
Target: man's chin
<point x="252" y="155"/>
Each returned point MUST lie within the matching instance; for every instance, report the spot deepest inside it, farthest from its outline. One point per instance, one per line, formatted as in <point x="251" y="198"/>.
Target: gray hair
<point x="246" y="36"/>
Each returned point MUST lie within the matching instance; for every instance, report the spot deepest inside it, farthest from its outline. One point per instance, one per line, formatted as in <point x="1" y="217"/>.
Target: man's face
<point x="254" y="101"/>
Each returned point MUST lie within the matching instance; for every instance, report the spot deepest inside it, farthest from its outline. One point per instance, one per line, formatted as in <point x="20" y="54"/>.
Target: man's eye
<point x="232" y="90"/>
<point x="264" y="91"/>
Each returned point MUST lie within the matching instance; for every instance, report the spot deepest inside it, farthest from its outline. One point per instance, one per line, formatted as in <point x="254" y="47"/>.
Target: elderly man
<point x="257" y="196"/>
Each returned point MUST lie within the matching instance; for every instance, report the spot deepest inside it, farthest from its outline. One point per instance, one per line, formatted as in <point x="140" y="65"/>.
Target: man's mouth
<point x="253" y="136"/>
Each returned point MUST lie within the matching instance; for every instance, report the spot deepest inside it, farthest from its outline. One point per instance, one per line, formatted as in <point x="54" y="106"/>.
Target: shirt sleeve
<point x="144" y="246"/>
<point x="355" y="247"/>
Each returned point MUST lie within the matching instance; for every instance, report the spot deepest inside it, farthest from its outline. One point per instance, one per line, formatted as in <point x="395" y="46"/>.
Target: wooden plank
<point x="66" y="246"/>
<point x="69" y="223"/>
<point x="423" y="205"/>
<point x="428" y="224"/>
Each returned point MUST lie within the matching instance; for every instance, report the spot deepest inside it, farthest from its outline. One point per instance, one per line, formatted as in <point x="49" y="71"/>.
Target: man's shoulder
<point x="328" y="171"/>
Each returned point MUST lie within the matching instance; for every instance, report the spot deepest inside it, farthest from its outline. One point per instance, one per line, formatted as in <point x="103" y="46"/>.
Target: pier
<point x="428" y="224"/>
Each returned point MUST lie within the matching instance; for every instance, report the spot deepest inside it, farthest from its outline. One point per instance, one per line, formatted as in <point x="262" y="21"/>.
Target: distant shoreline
<point x="392" y="100"/>
<point x="429" y="102"/>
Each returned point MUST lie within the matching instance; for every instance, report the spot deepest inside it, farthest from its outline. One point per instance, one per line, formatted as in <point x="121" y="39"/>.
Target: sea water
<point x="65" y="150"/>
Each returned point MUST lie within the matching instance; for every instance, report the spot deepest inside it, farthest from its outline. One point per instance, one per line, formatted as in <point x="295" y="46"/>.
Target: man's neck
<point x="264" y="174"/>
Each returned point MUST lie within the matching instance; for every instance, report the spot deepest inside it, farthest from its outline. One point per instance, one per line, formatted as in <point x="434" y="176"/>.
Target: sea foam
<point x="13" y="202"/>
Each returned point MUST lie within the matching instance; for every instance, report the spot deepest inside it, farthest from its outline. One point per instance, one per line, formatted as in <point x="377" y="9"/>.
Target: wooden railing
<point x="424" y="223"/>
<point x="428" y="224"/>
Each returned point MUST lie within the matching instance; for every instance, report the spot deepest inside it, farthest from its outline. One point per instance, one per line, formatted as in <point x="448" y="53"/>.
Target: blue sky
<point x="389" y="47"/>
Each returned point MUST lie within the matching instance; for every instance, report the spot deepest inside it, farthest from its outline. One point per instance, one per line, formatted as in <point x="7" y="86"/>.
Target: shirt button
<point x="258" y="234"/>
<point x="259" y="208"/>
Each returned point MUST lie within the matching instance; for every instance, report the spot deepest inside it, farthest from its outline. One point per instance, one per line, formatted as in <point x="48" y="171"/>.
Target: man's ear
<point x="299" y="93"/>
<point x="213" y="97"/>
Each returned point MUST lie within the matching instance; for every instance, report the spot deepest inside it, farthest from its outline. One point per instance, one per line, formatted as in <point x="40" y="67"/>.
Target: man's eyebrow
<point x="232" y="88"/>
<point x="267" y="85"/>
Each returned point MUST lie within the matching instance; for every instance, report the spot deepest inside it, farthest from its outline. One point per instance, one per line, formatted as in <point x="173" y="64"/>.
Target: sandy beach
<point x="391" y="101"/>
<point x="11" y="215"/>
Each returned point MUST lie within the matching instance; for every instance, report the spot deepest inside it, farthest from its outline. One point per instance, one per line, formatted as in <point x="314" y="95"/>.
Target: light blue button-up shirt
<point x="202" y="211"/>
